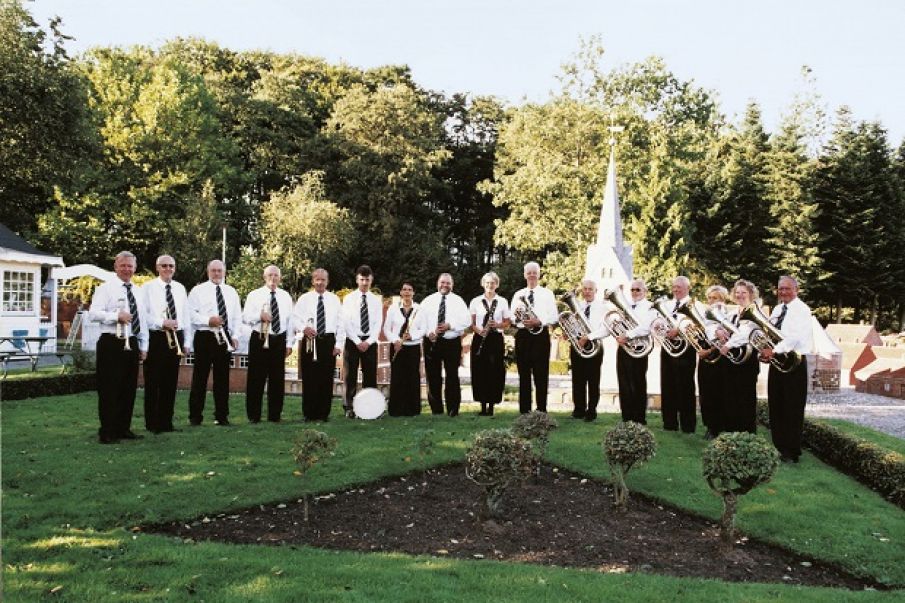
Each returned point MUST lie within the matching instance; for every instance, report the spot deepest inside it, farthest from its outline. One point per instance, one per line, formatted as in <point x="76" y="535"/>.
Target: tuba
<point x="695" y="332"/>
<point x="575" y="326"/>
<point x="621" y="320"/>
<point x="675" y="347"/>
<point x="765" y="336"/>
<point x="737" y="355"/>
<point x="526" y="312"/>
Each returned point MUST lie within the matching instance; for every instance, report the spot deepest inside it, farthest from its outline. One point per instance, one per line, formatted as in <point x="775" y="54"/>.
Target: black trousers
<point x="352" y="358"/>
<point x="209" y="355"/>
<point x="532" y="357"/>
<point x="117" y="380"/>
<point x="443" y="356"/>
<point x="787" y="394"/>
<point x="677" y="400"/>
<point x="317" y="378"/>
<point x="739" y="412"/>
<point x="585" y="383"/>
<point x="265" y="367"/>
<point x="161" y="372"/>
<point x="405" y="382"/>
<point x="488" y="369"/>
<point x="632" y="376"/>
<point x="712" y="383"/>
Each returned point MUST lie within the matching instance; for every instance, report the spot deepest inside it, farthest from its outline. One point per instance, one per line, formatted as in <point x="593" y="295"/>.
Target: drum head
<point x="369" y="404"/>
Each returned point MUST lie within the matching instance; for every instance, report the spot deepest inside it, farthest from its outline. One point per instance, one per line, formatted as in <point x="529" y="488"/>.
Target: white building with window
<point x="23" y="273"/>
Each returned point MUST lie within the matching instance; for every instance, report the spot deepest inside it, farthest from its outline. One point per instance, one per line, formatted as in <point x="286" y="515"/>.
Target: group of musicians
<point x="156" y="324"/>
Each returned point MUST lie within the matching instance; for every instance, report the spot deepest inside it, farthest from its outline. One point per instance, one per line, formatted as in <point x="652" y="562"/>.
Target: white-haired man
<point x="532" y="340"/>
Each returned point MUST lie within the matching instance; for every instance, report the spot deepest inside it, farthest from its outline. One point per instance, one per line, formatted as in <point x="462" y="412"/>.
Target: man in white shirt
<point x="532" y="340"/>
<point x="363" y="316"/>
<point x="318" y="322"/>
<point x="631" y="372"/>
<point x="788" y="392"/>
<point x="268" y="309"/>
<point x="677" y="385"/>
<point x="445" y="317"/>
<point x="586" y="371"/>
<point x="216" y="315"/>
<point x="163" y="300"/>
<point x="122" y="345"/>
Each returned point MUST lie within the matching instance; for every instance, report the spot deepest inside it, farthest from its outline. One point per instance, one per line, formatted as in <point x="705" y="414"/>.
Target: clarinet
<point x="408" y="327"/>
<point x="487" y="318"/>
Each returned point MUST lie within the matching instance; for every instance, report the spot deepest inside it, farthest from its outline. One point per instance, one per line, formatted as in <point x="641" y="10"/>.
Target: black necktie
<point x="587" y="311"/>
<point x="676" y="309"/>
<point x="633" y="306"/>
<point x="405" y="323"/>
<point x="531" y="297"/>
<point x="782" y="316"/>
<point x="171" y="304"/>
<point x="133" y="309"/>
<point x="274" y="314"/>
<point x="221" y="310"/>
<point x="441" y="315"/>
<point x="365" y="323"/>
<point x="321" y="316"/>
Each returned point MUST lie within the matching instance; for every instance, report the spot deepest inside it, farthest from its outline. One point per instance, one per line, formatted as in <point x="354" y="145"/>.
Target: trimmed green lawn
<point x="69" y="506"/>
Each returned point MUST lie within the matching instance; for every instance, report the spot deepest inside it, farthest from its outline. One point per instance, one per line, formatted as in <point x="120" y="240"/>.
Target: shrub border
<point x="54" y="385"/>
<point x="876" y="467"/>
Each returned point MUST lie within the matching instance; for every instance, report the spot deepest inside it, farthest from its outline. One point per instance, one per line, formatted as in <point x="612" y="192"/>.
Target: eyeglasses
<point x="634" y="290"/>
<point x="167" y="265"/>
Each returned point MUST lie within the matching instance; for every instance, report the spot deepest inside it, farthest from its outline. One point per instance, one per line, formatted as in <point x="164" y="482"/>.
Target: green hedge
<point x="56" y="385"/>
<point x="874" y="466"/>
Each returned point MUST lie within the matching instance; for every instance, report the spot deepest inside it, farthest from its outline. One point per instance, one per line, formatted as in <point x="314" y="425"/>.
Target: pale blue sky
<point x="513" y="49"/>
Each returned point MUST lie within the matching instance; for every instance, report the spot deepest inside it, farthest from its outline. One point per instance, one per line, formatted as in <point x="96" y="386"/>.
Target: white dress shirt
<point x="544" y="305"/>
<point x="305" y="315"/>
<point x="599" y="330"/>
<point x="352" y="317"/>
<point x="456" y="314"/>
<point x="202" y="305"/>
<point x="644" y="314"/>
<point x="154" y="303"/>
<point x="259" y="300"/>
<point x="797" y="331"/>
<point x="501" y="313"/>
<point x="744" y="328"/>
<point x="109" y="300"/>
<point x="395" y="320"/>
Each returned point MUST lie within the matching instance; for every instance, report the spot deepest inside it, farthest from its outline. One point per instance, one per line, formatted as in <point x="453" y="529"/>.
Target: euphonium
<point x="675" y="347"/>
<point x="121" y="332"/>
<point x="737" y="355"/>
<point x="265" y="329"/>
<point x="575" y="326"/>
<point x="526" y="312"/>
<point x="695" y="332"/>
<point x="621" y="320"/>
<point x="172" y="336"/>
<point x="766" y="336"/>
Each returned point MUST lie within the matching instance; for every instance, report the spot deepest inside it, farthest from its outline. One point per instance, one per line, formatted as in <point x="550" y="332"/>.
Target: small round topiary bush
<point x="496" y="459"/>
<point x="734" y="464"/>
<point x="535" y="427"/>
<point x="624" y="446"/>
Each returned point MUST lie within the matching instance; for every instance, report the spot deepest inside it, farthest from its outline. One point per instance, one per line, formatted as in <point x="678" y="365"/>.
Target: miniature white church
<point x="609" y="260"/>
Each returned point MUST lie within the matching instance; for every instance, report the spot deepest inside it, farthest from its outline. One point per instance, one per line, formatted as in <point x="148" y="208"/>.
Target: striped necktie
<point x="274" y="314"/>
<point x="221" y="310"/>
<point x="321" y="316"/>
<point x="133" y="309"/>
<point x="171" y="304"/>
<point x="365" y="321"/>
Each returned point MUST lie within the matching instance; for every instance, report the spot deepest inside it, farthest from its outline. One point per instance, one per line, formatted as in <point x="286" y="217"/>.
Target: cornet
<point x="222" y="339"/>
<point x="311" y="343"/>
<point x="265" y="328"/>
<point x="172" y="336"/>
<point x="121" y="331"/>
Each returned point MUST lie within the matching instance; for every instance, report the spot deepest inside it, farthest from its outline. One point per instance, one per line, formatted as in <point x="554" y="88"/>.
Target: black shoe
<point x="254" y="421"/>
<point x="273" y="420"/>
<point x="578" y="415"/>
<point x="195" y="423"/>
<point x="590" y="417"/>
<point x="107" y="440"/>
<point x="222" y="422"/>
<point x="350" y="414"/>
<point x="129" y="435"/>
<point x="453" y="413"/>
<point x="170" y="430"/>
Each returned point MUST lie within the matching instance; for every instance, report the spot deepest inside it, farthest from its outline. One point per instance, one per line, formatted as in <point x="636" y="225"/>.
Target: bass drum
<point x="369" y="404"/>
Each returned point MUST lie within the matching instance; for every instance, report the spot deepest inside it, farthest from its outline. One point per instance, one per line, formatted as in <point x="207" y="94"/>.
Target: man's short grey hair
<point x="212" y="262"/>
<point x="274" y="267"/>
<point x="640" y="282"/>
<point x="124" y="254"/>
<point x="684" y="280"/>
<point x="532" y="265"/>
<point x="442" y="274"/>
<point x="160" y="258"/>
<point x="589" y="282"/>
<point x="791" y="279"/>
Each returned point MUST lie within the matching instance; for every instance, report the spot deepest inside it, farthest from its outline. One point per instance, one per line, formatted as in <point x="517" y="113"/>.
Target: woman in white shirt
<point x="489" y="316"/>
<point x="404" y="329"/>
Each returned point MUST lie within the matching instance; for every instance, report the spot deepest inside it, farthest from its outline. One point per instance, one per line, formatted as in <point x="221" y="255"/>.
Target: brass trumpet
<point x="265" y="328"/>
<point x="526" y="312"/>
<point x="621" y="320"/>
<point x="121" y="332"/>
<point x="676" y="346"/>
<point x="766" y="336"/>
<point x="311" y="342"/>
<point x="222" y="339"/>
<point x="172" y="336"/>
<point x="575" y="326"/>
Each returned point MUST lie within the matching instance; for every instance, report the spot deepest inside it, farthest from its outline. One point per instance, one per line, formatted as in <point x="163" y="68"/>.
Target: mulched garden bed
<point x="560" y="519"/>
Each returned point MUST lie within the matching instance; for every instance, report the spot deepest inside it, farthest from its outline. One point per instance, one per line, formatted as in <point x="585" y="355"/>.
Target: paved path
<point x="877" y="412"/>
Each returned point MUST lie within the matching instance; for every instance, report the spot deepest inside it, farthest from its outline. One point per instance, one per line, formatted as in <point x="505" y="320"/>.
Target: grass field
<point x="71" y="506"/>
